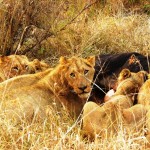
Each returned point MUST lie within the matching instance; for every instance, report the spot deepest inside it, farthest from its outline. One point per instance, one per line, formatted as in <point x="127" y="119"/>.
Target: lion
<point x="118" y="109"/>
<point x="128" y="82"/>
<point x="144" y="99"/>
<point x="134" y="118"/>
<point x="148" y="123"/>
<point x="108" y="67"/>
<point x="38" y="66"/>
<point x="105" y="121"/>
<point x="124" y="74"/>
<point x="15" y="65"/>
<point x="67" y="86"/>
<point x="97" y="120"/>
<point x="144" y="95"/>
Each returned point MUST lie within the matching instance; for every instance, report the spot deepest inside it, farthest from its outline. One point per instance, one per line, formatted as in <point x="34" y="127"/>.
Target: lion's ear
<point x="91" y="60"/>
<point x="36" y="61"/>
<point x="4" y="58"/>
<point x="63" y="60"/>
<point x="125" y="73"/>
<point x="144" y="75"/>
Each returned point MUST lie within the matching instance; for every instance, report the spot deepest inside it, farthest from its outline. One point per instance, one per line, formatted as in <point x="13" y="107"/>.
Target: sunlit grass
<point x="97" y="30"/>
<point x="59" y="131"/>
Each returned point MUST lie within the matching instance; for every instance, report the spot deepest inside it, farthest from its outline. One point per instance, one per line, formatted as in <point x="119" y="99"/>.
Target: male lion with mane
<point x="68" y="84"/>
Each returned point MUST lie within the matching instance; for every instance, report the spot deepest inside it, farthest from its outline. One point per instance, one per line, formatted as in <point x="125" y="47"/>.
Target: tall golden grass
<point x="73" y="27"/>
<point x="59" y="131"/>
<point x="105" y="27"/>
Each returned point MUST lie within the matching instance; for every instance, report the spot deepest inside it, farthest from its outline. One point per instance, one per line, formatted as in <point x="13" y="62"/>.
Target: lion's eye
<point x="15" y="68"/>
<point x="72" y="75"/>
<point x="37" y="68"/>
<point x="86" y="72"/>
<point x="26" y="67"/>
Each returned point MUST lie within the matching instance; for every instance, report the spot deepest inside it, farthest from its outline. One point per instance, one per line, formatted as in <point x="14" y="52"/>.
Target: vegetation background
<point x="48" y="29"/>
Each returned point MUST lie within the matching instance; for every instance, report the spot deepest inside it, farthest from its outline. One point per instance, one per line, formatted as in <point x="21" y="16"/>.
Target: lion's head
<point x="77" y="74"/>
<point x="37" y="66"/>
<point x="130" y="82"/>
<point x="13" y="65"/>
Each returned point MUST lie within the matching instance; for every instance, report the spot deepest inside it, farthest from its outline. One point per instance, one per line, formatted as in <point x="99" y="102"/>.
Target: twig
<point x="49" y="34"/>
<point x="21" y="39"/>
<point x="85" y="7"/>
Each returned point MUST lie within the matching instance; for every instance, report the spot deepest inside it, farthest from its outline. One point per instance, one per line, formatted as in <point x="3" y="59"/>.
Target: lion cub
<point x="67" y="85"/>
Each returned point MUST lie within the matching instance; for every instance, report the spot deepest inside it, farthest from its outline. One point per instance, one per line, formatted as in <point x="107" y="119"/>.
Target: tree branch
<point x="49" y="34"/>
<point x="85" y="8"/>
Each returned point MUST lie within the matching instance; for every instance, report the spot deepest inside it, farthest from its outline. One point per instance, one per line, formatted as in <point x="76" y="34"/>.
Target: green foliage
<point x="41" y="50"/>
<point x="134" y="1"/>
<point x="146" y="8"/>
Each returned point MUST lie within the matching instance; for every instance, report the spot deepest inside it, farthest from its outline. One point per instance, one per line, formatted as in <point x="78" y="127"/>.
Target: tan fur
<point x="118" y="110"/>
<point x="148" y="124"/>
<point x="98" y="120"/>
<point x="134" y="118"/>
<point x="38" y="66"/>
<point x="124" y="74"/>
<point x="130" y="82"/>
<point x="15" y="65"/>
<point x="102" y="121"/>
<point x="144" y="99"/>
<point x="105" y="121"/>
<point x="69" y="84"/>
<point x="144" y="94"/>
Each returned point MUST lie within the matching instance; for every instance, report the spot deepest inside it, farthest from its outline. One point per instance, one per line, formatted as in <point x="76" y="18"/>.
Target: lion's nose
<point x="83" y="88"/>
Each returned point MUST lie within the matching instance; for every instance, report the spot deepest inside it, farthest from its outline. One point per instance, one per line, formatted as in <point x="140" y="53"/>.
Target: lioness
<point x="144" y="95"/>
<point x="68" y="84"/>
<point x="15" y="65"/>
<point x="108" y="67"/>
<point x="105" y="120"/>
<point x="128" y="83"/>
<point x="38" y="66"/>
<point x="144" y="99"/>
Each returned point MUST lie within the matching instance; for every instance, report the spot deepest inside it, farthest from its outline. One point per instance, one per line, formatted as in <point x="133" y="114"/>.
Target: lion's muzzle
<point x="82" y="88"/>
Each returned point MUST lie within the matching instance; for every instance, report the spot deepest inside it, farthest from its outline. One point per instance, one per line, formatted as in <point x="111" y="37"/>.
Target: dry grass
<point x="61" y="132"/>
<point x="104" y="27"/>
